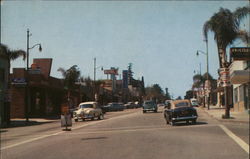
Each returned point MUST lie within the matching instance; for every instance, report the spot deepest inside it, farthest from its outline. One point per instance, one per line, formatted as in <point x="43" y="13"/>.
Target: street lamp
<point x="96" y="68"/>
<point x="27" y="68"/>
<point x="95" y="93"/>
<point x="197" y="53"/>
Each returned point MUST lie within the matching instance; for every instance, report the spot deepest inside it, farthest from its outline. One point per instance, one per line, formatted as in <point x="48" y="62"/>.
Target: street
<point x="129" y="134"/>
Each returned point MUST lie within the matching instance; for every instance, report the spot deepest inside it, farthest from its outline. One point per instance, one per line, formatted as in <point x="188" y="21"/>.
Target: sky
<point x="160" y="38"/>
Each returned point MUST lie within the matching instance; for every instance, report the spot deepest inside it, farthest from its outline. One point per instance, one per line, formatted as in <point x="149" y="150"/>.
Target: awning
<point x="240" y="76"/>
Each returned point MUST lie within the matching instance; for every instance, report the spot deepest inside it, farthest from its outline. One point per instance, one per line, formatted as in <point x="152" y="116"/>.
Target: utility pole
<point x="94" y="68"/>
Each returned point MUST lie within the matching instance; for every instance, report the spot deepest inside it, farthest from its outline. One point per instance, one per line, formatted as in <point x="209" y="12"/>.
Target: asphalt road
<point x="129" y="135"/>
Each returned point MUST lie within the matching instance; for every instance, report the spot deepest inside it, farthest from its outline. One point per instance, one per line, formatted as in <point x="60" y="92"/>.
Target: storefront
<point x="240" y="78"/>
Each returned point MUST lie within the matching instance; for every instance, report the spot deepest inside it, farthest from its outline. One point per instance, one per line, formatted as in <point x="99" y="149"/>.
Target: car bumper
<point x="185" y="118"/>
<point x="151" y="109"/>
<point x="85" y="116"/>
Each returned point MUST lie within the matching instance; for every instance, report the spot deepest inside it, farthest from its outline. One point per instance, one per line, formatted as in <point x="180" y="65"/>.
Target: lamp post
<point x="27" y="69"/>
<point x="197" y="53"/>
<point x="95" y="93"/>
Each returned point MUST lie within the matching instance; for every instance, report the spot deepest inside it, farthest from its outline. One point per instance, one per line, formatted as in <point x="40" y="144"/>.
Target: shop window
<point x="236" y="94"/>
<point x="241" y="93"/>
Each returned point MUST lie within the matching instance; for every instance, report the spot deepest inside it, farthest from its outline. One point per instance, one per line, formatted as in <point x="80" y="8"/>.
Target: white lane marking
<point x="238" y="140"/>
<point x="60" y="132"/>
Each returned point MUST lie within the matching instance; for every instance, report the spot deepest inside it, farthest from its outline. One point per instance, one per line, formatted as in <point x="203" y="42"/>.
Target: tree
<point x="11" y="55"/>
<point x="189" y="94"/>
<point x="226" y="27"/>
<point x="130" y="74"/>
<point x="178" y="98"/>
<point x="71" y="76"/>
<point x="155" y="92"/>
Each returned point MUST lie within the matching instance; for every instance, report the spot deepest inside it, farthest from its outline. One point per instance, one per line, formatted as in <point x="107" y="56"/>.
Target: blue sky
<point x="160" y="38"/>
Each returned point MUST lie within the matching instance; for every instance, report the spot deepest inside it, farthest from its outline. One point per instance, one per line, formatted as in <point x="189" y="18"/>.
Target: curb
<point x="225" y="120"/>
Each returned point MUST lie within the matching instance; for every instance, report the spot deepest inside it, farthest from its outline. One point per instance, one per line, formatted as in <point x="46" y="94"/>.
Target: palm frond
<point x="16" y="54"/>
<point x="63" y="71"/>
<point x="244" y="36"/>
<point x="241" y="13"/>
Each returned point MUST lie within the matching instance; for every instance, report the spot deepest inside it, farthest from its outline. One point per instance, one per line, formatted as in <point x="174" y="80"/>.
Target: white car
<point x="88" y="110"/>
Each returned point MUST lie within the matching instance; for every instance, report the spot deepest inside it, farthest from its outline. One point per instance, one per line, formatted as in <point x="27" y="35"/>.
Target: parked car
<point x="137" y="104"/>
<point x="88" y="110"/>
<point x="149" y="106"/>
<point x="194" y="102"/>
<point x="130" y="105"/>
<point x="160" y="105"/>
<point x="113" y="107"/>
<point x="180" y="110"/>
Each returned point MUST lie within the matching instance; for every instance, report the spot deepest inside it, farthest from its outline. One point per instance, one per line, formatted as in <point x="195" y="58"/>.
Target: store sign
<point x="225" y="77"/>
<point x="111" y="71"/>
<point x="19" y="81"/>
<point x="240" y="53"/>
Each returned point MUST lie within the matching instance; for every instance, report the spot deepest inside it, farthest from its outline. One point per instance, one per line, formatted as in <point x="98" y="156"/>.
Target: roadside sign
<point x="240" y="53"/>
<point x="225" y="77"/>
<point x="111" y="71"/>
<point x="65" y="109"/>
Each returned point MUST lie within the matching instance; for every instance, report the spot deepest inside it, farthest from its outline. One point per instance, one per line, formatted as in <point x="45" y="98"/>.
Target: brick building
<point x="44" y="93"/>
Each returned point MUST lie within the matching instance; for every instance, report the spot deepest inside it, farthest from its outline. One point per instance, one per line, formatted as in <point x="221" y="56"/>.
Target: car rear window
<point x="182" y="104"/>
<point x="86" y="106"/>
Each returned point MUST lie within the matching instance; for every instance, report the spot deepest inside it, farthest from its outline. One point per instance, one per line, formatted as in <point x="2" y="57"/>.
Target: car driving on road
<point x="149" y="106"/>
<point x="88" y="110"/>
<point x="180" y="110"/>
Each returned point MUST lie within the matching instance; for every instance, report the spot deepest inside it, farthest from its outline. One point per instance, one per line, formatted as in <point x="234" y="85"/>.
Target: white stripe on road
<point x="238" y="140"/>
<point x="60" y="132"/>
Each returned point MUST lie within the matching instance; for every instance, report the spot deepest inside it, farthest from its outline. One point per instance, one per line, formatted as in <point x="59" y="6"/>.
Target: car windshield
<point x="182" y="104"/>
<point x="194" y="103"/>
<point x="148" y="103"/>
<point x="86" y="106"/>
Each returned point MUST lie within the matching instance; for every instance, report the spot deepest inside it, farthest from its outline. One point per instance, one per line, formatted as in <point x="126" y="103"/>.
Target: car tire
<point x="193" y="122"/>
<point x="172" y="123"/>
<point x="144" y="111"/>
<point x="76" y="120"/>
<point x="155" y="111"/>
<point x="101" y="117"/>
<point x="167" y="122"/>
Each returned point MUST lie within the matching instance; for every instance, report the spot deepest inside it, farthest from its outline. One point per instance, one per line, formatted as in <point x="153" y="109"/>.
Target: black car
<point x="180" y="110"/>
<point x="113" y="107"/>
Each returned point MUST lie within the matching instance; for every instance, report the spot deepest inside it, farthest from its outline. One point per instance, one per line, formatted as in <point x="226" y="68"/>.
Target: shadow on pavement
<point x="2" y="131"/>
<point x="23" y="123"/>
<point x="94" y="138"/>
<point x="185" y="124"/>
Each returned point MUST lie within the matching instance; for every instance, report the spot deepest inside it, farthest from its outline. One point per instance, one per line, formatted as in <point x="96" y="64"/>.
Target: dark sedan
<point x="180" y="110"/>
<point x="113" y="107"/>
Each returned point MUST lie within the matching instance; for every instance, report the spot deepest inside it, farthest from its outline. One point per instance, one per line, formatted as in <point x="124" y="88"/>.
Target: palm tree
<point x="71" y="76"/>
<point x="226" y="27"/>
<point x="11" y="55"/>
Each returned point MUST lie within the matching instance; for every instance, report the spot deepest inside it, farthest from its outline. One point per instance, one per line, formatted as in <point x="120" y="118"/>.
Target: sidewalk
<point x="217" y="112"/>
<point x="21" y="122"/>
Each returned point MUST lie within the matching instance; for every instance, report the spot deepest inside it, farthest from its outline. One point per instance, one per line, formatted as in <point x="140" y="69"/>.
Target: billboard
<point x="111" y="71"/>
